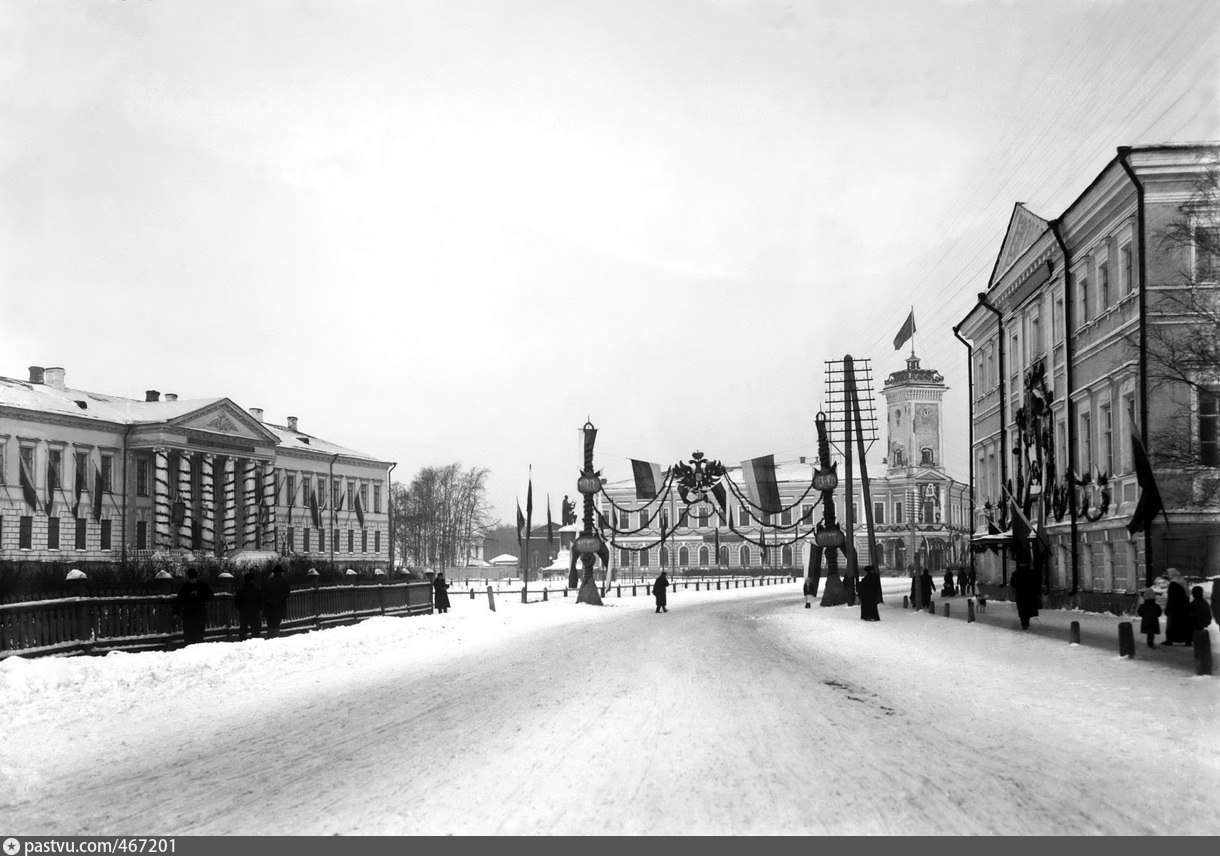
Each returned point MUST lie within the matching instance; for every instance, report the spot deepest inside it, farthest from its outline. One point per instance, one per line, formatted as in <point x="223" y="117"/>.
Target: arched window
<point x="664" y="557"/>
<point x="625" y="558"/>
<point x="900" y="554"/>
<point x="925" y="457"/>
<point x="644" y="558"/>
<point x="785" y="556"/>
<point x="724" y="556"/>
<point x="704" y="556"/>
<point x="683" y="557"/>
<point x="744" y="556"/>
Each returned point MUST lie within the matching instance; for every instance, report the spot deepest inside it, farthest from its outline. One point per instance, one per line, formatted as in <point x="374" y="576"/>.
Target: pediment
<point x="225" y="418"/>
<point x="1024" y="228"/>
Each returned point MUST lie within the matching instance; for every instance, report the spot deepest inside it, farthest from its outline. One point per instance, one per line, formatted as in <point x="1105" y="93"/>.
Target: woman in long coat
<point x="441" y="589"/>
<point x="926" y="588"/>
<point x="1024" y="584"/>
<point x="658" y="590"/>
<point x="1178" y="626"/>
<point x="869" y="591"/>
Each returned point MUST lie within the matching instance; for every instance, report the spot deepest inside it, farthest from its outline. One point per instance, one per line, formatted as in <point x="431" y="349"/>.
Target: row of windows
<point x="54" y="476"/>
<point x="316" y="484"/>
<point x="307" y="538"/>
<point x="80" y="529"/>
<point x="703" y="556"/>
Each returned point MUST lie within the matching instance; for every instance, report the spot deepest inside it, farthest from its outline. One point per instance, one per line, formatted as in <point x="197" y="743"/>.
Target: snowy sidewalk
<point x="1097" y="630"/>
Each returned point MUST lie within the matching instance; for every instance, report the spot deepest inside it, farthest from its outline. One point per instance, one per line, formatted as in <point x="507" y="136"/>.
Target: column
<point x="230" y="504"/>
<point x="250" y="495"/>
<point x="269" y="501"/>
<point x="184" y="496"/>
<point x="161" y="510"/>
<point x="207" y="503"/>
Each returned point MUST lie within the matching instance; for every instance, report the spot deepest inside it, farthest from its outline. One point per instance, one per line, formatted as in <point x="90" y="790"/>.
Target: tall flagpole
<point x="529" y="513"/>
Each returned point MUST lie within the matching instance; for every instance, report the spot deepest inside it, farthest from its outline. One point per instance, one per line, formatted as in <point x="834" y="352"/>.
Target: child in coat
<point x="1150" y="616"/>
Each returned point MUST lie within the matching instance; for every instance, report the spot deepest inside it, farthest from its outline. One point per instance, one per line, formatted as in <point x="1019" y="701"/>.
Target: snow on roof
<point x="98" y="406"/>
<point x="504" y="559"/>
<point x="308" y="442"/>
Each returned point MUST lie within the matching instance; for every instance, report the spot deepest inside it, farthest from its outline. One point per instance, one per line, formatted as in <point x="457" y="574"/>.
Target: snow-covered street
<point x="738" y="712"/>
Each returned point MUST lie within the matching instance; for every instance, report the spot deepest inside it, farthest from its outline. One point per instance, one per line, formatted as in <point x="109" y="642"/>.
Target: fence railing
<point x="630" y="587"/>
<point x="147" y="622"/>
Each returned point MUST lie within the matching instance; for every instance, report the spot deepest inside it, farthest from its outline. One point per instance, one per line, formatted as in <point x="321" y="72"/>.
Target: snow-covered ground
<point x="737" y="712"/>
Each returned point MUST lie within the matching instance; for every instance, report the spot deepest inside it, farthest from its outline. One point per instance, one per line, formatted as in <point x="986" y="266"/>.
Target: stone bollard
<point x="1074" y="633"/>
<point x="472" y="594"/>
<point x="618" y="591"/>
<point x="970" y="611"/>
<point x="633" y="591"/>
<point x="1203" y="652"/>
<point x="491" y="599"/>
<point x="717" y="585"/>
<point x="906" y="601"/>
<point x="946" y="610"/>
<point x="545" y="596"/>
<point x="1126" y="640"/>
<point x="565" y="591"/>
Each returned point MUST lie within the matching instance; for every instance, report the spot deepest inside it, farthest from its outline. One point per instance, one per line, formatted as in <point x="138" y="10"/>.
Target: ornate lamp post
<point x="589" y="544"/>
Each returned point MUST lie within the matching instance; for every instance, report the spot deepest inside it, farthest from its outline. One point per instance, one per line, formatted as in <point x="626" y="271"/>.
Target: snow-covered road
<point x="738" y="712"/>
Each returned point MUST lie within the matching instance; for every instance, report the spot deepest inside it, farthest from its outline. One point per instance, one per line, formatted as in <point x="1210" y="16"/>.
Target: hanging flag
<point x="98" y="490"/>
<point x="908" y="328"/>
<point x="79" y="488"/>
<point x="721" y="497"/>
<point x="27" y="486"/>
<point x="717" y="543"/>
<point x="1020" y="521"/>
<point x="529" y="501"/>
<point x="759" y="475"/>
<point x="313" y="509"/>
<point x="550" y="536"/>
<point x="359" y="509"/>
<point x="647" y="479"/>
<point x="520" y="524"/>
<point x="52" y="483"/>
<point x="1150" y="503"/>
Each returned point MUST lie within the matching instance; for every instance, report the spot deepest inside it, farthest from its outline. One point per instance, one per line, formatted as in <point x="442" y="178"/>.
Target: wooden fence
<point x="74" y="625"/>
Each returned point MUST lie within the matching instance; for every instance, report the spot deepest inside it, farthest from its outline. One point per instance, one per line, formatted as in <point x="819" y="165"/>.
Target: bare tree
<point x="440" y="515"/>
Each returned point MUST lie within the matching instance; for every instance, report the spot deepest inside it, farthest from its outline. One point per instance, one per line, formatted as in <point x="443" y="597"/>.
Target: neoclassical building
<point x="1065" y="350"/>
<point x="921" y="513"/>
<point x="90" y="477"/>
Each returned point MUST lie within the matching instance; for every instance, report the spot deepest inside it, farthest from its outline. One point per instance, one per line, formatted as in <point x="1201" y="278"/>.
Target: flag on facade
<point x="520" y="524"/>
<point x="359" y="509"/>
<point x="78" y="488"/>
<point x="313" y="509"/>
<point x="908" y="329"/>
<point x="52" y="481"/>
<point x="1150" y="503"/>
<point x="759" y="475"/>
<point x="717" y="543"/>
<point x="550" y="536"/>
<point x="27" y="487"/>
<point x="647" y="478"/>
<point x="98" y="486"/>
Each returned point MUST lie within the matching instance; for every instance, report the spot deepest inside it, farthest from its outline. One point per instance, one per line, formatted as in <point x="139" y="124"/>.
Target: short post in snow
<point x="491" y="599"/>
<point x="946" y="610"/>
<point x="970" y="611"/>
<point x="1074" y="633"/>
<point x="544" y="595"/>
<point x="906" y="601"/>
<point x="1126" y="640"/>
<point x="1203" y="653"/>
<point x="472" y="594"/>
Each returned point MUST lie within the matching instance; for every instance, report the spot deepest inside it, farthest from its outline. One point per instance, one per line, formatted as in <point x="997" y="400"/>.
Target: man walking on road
<point x="658" y="590"/>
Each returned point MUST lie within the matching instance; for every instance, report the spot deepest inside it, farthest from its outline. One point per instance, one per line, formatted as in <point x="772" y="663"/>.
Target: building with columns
<point x="88" y="477"/>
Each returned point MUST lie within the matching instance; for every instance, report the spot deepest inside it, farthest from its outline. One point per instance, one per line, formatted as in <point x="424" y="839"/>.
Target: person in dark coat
<point x="275" y="601"/>
<point x="1024" y="584"/>
<point x="1150" y="617"/>
<point x="440" y="588"/>
<point x="1200" y="611"/>
<point x="869" y="591"/>
<point x="658" y="591"/>
<point x="927" y="587"/>
<point x="248" y="601"/>
<point x="948" y="590"/>
<point x="972" y="579"/>
<point x="963" y="585"/>
<point x="1178" y="627"/>
<point x="191" y="606"/>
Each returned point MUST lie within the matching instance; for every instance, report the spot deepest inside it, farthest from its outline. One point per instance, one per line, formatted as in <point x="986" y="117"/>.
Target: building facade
<point x="1068" y="350"/>
<point x="88" y="478"/>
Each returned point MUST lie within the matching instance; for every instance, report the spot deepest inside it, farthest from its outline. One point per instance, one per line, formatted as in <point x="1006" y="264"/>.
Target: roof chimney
<point x="292" y="423"/>
<point x="171" y="396"/>
<point x="54" y="377"/>
<point x="36" y="374"/>
<point x="257" y="413"/>
<point x="152" y="395"/>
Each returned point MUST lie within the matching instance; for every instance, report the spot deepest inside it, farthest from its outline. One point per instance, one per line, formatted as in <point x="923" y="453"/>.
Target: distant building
<point x="89" y="477"/>
<point x="1060" y="346"/>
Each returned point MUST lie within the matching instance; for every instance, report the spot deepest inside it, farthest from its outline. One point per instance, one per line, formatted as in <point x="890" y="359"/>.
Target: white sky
<point x="738" y="712"/>
<point x="454" y="231"/>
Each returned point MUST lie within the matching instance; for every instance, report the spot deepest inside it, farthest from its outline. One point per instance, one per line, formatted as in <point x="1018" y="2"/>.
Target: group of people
<point x="254" y="605"/>
<point x="1183" y="616"/>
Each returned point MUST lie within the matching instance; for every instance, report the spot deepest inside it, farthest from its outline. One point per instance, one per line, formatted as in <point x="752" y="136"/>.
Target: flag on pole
<point x="908" y="328"/>
<point x="1022" y="528"/>
<point x="27" y="486"/>
<point x="647" y="478"/>
<point x="52" y="482"/>
<point x="78" y="487"/>
<point x="550" y="536"/>
<point x="520" y="524"/>
<point x="98" y="488"/>
<point x="313" y="509"/>
<point x="1150" y="503"/>
<point x="359" y="509"/>
<point x="759" y="474"/>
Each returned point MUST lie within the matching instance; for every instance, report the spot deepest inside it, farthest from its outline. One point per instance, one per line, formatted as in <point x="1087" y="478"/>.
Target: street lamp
<point x="588" y="544"/>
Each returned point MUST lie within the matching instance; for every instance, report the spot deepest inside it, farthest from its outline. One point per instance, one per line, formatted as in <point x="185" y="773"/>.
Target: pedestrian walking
<point x="973" y="578"/>
<point x="440" y="589"/>
<point x="1025" y="586"/>
<point x="1178" y="628"/>
<point x="927" y="587"/>
<point x="248" y="601"/>
<point x="948" y="591"/>
<point x="191" y="606"/>
<point x="275" y="601"/>
<point x="963" y="584"/>
<point x="869" y="591"/>
<point x="1200" y="610"/>
<point x="1150" y="617"/>
<point x="658" y="591"/>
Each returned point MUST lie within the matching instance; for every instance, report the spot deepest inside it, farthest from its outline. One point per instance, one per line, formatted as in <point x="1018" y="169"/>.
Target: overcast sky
<point x="454" y="231"/>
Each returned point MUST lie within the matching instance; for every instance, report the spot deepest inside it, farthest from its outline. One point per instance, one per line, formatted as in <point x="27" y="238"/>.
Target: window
<point x="107" y="468"/>
<point x="1082" y="289"/>
<point x="141" y="534"/>
<point x="1209" y="417"/>
<point x="1105" y="423"/>
<point x="52" y="533"/>
<point x="80" y="533"/>
<point x="54" y="468"/>
<point x="334" y="538"/>
<point x="703" y="516"/>
<point x="82" y="471"/>
<point x="141" y="476"/>
<point x="377" y="541"/>
<point x="807" y="513"/>
<point x="25" y="533"/>
<point x="2" y="441"/>
<point x="665" y="520"/>
<point x="624" y="558"/>
<point x="743" y="556"/>
<point x="364" y="540"/>
<point x="898" y="511"/>
<point x="305" y="538"/>
<point x="1125" y="279"/>
<point x="925" y="457"/>
<point x="335" y="497"/>
<point x="292" y="538"/>
<point x="1128" y="429"/>
<point x="1206" y="262"/>
<point x="376" y="499"/>
<point x="1103" y="286"/>
<point x="291" y="499"/>
<point x="878" y="513"/>
<point x="683" y="557"/>
<point x="1035" y="334"/>
<point x="704" y="556"/>
<point x="785" y="517"/>
<point x="364" y="495"/>
<point x="321" y="540"/>
<point x="644" y="559"/>
<point x="990" y="380"/>
<point x="1059" y="321"/>
<point x="351" y="541"/>
<point x="105" y="534"/>
<point x="1086" y="443"/>
<point x="351" y="493"/>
